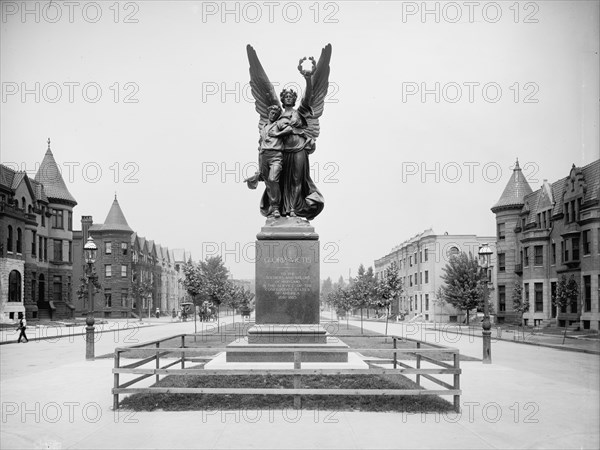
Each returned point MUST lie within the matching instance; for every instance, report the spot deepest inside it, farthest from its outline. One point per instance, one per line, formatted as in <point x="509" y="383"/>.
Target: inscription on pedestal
<point x="287" y="282"/>
<point x="288" y="285"/>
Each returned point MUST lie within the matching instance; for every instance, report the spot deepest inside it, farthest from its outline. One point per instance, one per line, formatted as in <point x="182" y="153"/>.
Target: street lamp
<point x="89" y="253"/>
<point x="485" y="253"/>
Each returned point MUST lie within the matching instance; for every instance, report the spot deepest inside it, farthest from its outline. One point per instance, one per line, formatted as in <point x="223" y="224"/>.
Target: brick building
<point x="36" y="243"/>
<point x="125" y="261"/>
<point x="420" y="260"/>
<point x="543" y="235"/>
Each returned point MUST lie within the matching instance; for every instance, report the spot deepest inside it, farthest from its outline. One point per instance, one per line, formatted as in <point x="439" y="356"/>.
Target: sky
<point x="429" y="106"/>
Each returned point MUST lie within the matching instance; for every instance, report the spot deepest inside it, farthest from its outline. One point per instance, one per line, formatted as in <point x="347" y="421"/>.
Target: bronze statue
<point x="290" y="191"/>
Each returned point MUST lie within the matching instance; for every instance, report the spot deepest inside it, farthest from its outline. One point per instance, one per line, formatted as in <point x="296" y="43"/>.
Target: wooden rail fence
<point x="152" y="351"/>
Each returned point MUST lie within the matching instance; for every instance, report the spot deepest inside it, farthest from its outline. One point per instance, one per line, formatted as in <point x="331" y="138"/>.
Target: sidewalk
<point x="68" y="330"/>
<point x="530" y="397"/>
<point x="58" y="330"/>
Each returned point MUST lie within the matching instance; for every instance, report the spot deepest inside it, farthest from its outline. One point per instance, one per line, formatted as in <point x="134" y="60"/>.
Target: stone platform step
<point x="265" y="352"/>
<point x="355" y="361"/>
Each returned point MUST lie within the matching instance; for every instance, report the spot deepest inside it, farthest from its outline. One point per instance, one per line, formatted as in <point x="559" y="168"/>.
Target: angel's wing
<point x="262" y="89"/>
<point x="320" y="83"/>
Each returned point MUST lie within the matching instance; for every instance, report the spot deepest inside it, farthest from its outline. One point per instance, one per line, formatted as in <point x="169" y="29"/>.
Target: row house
<point x="36" y="243"/>
<point x="137" y="275"/>
<point x="421" y="260"/>
<point x="543" y="236"/>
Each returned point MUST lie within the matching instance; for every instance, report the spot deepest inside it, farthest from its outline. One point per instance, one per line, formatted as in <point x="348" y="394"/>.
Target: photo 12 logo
<point x="238" y="92"/>
<point x="470" y="12"/>
<point x="71" y="12"/>
<point x="55" y="412"/>
<point x="270" y="12"/>
<point x="236" y="172"/>
<point x="69" y="92"/>
<point x="470" y="171"/>
<point x="469" y="92"/>
<point x="490" y="412"/>
<point x="269" y="415"/>
<point x="75" y="171"/>
<point x="236" y="252"/>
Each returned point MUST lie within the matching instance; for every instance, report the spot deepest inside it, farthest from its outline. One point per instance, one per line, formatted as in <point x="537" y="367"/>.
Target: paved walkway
<point x="57" y="330"/>
<point x="530" y="397"/>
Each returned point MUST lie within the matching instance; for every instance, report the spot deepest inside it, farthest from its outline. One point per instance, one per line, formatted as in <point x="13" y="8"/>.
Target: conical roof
<point x="115" y="220"/>
<point x="515" y="191"/>
<point x="49" y="175"/>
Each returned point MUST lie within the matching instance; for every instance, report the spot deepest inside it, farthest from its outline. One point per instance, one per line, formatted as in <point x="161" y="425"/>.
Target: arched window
<point x="9" y="240"/>
<point x="41" y="289"/>
<point x="453" y="251"/>
<point x="19" y="241"/>
<point x="14" y="286"/>
<point x="23" y="203"/>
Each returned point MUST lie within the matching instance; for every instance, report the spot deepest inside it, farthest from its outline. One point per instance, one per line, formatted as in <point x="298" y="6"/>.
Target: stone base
<point x="262" y="356"/>
<point x="295" y="228"/>
<point x="287" y="334"/>
<point x="355" y="361"/>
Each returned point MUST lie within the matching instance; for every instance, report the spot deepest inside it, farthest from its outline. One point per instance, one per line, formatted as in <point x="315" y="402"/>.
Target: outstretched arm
<point x="307" y="74"/>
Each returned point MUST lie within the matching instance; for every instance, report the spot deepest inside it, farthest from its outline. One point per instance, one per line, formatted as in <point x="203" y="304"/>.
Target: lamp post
<point x="89" y="252"/>
<point x="485" y="253"/>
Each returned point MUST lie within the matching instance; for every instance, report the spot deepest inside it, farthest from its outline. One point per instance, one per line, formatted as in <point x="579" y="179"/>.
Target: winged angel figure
<point x="287" y="137"/>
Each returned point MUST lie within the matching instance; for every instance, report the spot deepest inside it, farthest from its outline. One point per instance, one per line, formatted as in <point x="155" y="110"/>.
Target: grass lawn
<point x="351" y="336"/>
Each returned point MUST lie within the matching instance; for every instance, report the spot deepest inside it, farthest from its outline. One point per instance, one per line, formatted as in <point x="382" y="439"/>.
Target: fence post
<point x="418" y="364"/>
<point x="457" y="382"/>
<point x="395" y="354"/>
<point x="183" y="351"/>
<point x="157" y="361"/>
<point x="297" y="365"/>
<point x="116" y="380"/>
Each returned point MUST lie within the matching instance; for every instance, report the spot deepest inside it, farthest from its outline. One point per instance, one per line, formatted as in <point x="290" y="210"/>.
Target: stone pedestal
<point x="287" y="295"/>
<point x="287" y="273"/>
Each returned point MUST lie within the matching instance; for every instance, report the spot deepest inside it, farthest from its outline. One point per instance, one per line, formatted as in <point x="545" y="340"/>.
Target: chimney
<point x="86" y="223"/>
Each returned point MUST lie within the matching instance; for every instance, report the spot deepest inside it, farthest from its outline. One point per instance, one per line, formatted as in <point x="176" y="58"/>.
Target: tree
<point x="215" y="276"/>
<point x="567" y="293"/>
<point x="340" y="283"/>
<point x="389" y="289"/>
<point x="439" y="300"/>
<point x="341" y="300"/>
<point x="363" y="291"/>
<point x="141" y="288"/>
<point x="463" y="282"/>
<point x="246" y="299"/>
<point x="193" y="281"/>
<point x="326" y="289"/>
<point x="207" y="281"/>
<point x="519" y="305"/>
<point x="237" y="297"/>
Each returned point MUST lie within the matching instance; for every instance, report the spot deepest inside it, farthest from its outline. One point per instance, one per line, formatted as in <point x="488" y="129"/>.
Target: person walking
<point x="22" y="328"/>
